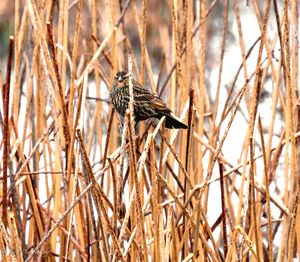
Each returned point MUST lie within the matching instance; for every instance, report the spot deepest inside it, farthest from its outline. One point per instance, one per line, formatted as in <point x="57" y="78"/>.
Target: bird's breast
<point x="120" y="99"/>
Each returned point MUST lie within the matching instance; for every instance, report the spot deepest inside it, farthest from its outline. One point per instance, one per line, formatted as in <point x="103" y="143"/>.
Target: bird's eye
<point x="125" y="76"/>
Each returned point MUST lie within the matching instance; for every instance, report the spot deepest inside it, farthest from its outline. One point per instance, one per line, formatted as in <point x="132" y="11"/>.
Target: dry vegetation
<point x="77" y="187"/>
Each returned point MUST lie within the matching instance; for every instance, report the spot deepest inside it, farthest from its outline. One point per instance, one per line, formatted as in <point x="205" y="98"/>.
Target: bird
<point x="146" y="103"/>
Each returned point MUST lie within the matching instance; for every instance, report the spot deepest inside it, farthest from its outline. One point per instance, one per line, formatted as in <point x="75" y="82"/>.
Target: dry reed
<point x="78" y="183"/>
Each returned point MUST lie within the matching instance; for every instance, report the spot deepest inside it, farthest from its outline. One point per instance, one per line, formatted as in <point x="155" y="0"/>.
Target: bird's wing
<point x="160" y="105"/>
<point x="142" y="95"/>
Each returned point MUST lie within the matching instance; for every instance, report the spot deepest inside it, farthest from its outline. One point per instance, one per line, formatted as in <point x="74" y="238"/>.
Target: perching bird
<point x="146" y="103"/>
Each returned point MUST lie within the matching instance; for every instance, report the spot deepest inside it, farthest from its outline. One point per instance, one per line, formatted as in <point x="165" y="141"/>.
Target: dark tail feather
<point x="171" y="122"/>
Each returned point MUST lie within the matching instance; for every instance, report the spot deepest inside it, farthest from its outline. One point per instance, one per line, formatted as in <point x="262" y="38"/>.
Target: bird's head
<point x="121" y="79"/>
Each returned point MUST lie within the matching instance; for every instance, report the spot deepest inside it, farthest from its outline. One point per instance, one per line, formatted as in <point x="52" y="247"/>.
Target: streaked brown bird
<point x="146" y="103"/>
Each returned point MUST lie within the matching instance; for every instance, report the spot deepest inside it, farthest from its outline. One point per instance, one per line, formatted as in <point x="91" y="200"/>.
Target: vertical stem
<point x="188" y="151"/>
<point x="143" y="39"/>
<point x="6" y="128"/>
<point x="252" y="197"/>
<point x="223" y="209"/>
<point x="270" y="240"/>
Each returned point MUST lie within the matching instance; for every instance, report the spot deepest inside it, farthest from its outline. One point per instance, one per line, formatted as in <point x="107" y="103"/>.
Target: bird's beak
<point x="120" y="79"/>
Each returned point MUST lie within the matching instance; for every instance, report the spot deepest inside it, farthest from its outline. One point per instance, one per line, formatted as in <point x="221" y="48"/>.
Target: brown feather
<point x="146" y="103"/>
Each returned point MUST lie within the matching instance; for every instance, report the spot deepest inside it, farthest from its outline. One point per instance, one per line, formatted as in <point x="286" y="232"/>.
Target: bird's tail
<point x="173" y="122"/>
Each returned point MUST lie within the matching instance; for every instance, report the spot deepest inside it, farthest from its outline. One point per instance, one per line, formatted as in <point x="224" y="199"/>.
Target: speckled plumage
<point x="146" y="103"/>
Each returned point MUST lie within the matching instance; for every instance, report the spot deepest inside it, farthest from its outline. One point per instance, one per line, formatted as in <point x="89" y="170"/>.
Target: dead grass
<point x="77" y="187"/>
